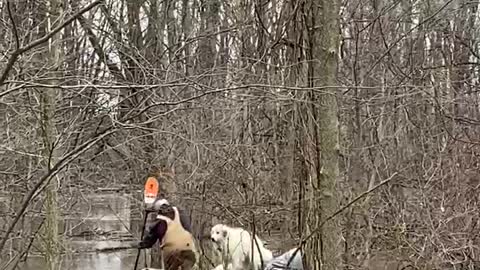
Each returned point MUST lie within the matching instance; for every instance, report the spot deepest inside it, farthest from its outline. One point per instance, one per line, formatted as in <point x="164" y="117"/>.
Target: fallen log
<point x="113" y="249"/>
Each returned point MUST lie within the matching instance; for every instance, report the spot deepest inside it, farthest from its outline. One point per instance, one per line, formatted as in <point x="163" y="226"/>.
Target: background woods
<point x="257" y="106"/>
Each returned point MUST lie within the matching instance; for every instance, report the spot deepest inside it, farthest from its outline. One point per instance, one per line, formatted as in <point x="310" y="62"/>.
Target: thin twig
<point x="14" y="26"/>
<point x="319" y="227"/>
<point x="405" y="35"/>
<point x="19" y="51"/>
<point x="67" y="159"/>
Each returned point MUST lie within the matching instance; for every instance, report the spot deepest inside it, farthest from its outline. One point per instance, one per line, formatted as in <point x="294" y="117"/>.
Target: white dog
<point x="235" y="245"/>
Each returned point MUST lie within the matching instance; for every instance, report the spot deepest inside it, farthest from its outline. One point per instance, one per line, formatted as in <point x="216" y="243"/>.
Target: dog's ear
<point x="224" y="233"/>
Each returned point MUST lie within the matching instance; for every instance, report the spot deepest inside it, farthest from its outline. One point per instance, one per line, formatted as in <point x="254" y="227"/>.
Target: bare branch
<point x="14" y="56"/>
<point x="66" y="160"/>
<point x="346" y="206"/>
<point x="14" y="26"/>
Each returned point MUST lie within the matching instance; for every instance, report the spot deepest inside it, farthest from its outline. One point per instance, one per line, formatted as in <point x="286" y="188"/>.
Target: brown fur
<point x="180" y="260"/>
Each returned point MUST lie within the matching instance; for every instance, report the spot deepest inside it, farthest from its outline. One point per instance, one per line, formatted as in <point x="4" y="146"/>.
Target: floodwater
<point x="101" y="222"/>
<point x="120" y="260"/>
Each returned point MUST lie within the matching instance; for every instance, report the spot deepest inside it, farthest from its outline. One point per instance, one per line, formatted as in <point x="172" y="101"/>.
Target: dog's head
<point x="218" y="233"/>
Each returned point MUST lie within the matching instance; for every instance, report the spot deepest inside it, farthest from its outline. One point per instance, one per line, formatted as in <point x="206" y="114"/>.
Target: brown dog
<point x="176" y="241"/>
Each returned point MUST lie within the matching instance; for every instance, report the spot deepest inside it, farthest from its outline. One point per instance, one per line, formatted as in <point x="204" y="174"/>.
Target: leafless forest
<point x="272" y="115"/>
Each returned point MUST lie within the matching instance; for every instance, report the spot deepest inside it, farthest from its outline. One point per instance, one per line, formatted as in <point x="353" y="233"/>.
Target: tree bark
<point x="48" y="134"/>
<point x="321" y="199"/>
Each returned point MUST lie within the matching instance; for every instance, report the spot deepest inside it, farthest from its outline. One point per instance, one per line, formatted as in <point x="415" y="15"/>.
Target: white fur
<point x="235" y="244"/>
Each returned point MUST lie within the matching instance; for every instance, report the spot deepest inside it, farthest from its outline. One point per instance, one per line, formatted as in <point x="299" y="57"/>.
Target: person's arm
<point x="157" y="232"/>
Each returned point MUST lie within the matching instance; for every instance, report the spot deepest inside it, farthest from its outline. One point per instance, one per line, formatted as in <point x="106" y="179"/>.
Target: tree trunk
<point x="321" y="200"/>
<point x="48" y="134"/>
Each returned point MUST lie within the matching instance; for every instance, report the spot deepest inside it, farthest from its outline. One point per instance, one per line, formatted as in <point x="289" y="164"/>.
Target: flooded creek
<point x="119" y="260"/>
<point x="99" y="222"/>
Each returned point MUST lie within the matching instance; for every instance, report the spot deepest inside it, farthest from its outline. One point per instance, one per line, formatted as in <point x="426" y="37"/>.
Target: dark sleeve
<point x="185" y="220"/>
<point x="156" y="232"/>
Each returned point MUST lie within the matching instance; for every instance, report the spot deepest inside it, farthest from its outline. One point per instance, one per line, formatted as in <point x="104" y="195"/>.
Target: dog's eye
<point x="218" y="232"/>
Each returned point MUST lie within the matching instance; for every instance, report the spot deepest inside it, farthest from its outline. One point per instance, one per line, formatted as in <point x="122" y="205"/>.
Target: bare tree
<point x="50" y="138"/>
<point x="321" y="147"/>
<point x="273" y="115"/>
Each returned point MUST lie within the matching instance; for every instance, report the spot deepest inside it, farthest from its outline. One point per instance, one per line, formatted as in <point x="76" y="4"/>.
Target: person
<point x="173" y="230"/>
<point x="280" y="262"/>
